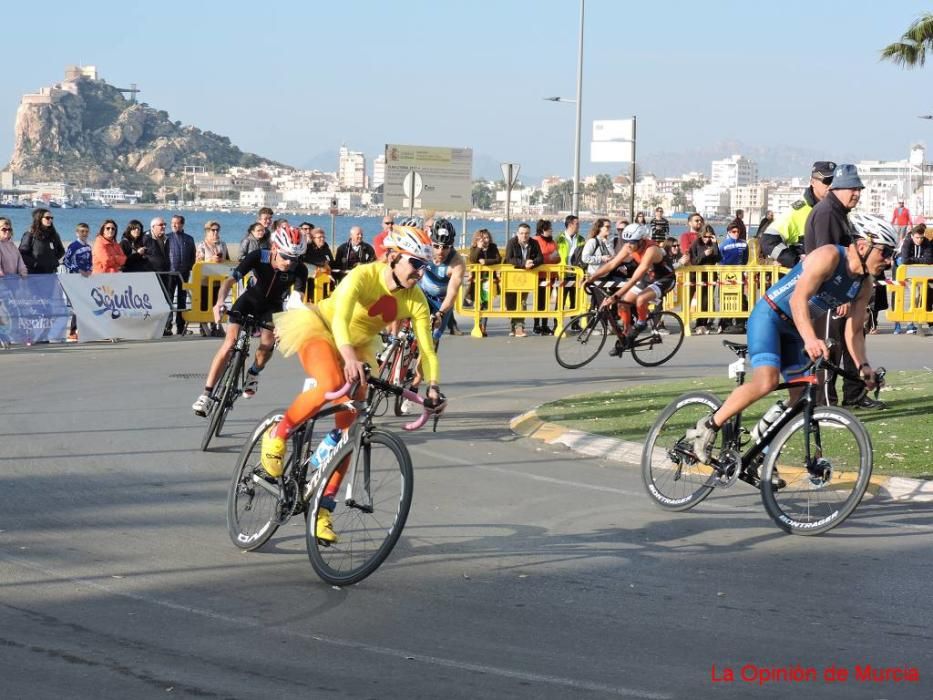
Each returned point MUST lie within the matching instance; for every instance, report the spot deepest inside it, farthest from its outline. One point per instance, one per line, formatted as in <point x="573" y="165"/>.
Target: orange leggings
<point x="320" y="360"/>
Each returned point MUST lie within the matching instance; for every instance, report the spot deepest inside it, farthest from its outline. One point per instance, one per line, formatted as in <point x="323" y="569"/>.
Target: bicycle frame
<point x="805" y="403"/>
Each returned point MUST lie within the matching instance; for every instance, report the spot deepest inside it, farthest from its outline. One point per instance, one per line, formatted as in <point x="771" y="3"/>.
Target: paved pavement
<point x="524" y="571"/>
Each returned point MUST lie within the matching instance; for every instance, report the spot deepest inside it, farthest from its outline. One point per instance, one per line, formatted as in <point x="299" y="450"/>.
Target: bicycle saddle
<point x="740" y="349"/>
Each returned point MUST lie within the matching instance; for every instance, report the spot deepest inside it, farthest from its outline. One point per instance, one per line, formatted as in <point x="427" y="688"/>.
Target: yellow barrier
<point x="319" y="287"/>
<point x="722" y="291"/>
<point x="503" y="291"/>
<point x="206" y="278"/>
<point x="913" y="296"/>
<point x="203" y="286"/>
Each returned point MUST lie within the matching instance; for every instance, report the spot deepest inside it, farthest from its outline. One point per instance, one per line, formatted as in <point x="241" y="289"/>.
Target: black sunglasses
<point x="825" y="180"/>
<point x="887" y="252"/>
<point x="289" y="258"/>
<point x="416" y="263"/>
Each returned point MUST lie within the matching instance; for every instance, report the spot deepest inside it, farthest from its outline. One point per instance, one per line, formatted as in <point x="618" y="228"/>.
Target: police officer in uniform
<point x="783" y="241"/>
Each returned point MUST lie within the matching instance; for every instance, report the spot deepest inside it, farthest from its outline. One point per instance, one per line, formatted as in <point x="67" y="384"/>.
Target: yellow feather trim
<point x="297" y="326"/>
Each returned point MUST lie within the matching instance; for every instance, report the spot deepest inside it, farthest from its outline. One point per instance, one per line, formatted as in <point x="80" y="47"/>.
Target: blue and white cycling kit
<point x="434" y="284"/>
<point x="773" y="340"/>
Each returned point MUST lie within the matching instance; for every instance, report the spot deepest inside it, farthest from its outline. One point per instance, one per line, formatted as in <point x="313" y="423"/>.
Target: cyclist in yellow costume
<point x="335" y="338"/>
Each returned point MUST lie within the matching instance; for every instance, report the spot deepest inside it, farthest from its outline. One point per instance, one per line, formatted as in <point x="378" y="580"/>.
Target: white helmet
<point x="873" y="228"/>
<point x="289" y="240"/>
<point x="634" y="233"/>
<point x="410" y="241"/>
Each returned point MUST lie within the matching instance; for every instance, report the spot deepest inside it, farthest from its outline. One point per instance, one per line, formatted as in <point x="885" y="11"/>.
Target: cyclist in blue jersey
<point x="442" y="276"/>
<point x="781" y="334"/>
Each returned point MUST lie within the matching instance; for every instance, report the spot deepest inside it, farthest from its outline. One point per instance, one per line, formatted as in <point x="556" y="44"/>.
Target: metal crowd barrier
<point x="203" y="286"/>
<point x="912" y="296"/>
<point x="503" y="291"/>
<point x="722" y="291"/>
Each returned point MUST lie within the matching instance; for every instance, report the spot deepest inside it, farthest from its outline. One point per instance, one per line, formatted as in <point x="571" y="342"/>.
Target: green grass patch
<point x="902" y="435"/>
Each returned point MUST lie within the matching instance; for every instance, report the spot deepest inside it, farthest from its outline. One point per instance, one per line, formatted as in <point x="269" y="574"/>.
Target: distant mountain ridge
<point x="84" y="130"/>
<point x="773" y="161"/>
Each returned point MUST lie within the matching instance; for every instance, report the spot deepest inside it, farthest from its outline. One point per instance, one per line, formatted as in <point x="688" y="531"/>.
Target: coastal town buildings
<point x="351" y="169"/>
<point x="735" y="171"/>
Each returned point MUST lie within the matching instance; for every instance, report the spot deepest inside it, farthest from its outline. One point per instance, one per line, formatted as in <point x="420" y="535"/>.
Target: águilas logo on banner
<point x="123" y="302"/>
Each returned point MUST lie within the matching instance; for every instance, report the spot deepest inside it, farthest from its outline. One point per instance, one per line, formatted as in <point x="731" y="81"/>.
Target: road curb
<point x="531" y="425"/>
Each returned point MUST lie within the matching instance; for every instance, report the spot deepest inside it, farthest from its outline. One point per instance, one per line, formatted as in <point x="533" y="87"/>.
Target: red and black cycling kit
<point x="268" y="288"/>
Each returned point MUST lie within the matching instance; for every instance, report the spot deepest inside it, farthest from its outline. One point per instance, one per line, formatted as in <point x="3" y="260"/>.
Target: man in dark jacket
<point x="916" y="249"/>
<point x="524" y="253"/>
<point x="354" y="252"/>
<point x="828" y="224"/>
<point x="182" y="253"/>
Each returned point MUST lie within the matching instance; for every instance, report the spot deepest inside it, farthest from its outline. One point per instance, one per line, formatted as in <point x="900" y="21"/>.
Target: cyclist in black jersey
<point x="275" y="272"/>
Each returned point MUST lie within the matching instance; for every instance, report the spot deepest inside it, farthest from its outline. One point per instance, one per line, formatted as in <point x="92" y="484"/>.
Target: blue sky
<point x="290" y="80"/>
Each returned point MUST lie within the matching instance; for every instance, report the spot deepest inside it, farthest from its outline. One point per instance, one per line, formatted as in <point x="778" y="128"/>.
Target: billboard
<point x="439" y="178"/>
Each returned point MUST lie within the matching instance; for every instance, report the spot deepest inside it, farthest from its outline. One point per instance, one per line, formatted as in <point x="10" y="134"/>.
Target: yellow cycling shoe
<point x="271" y="454"/>
<point x="324" y="529"/>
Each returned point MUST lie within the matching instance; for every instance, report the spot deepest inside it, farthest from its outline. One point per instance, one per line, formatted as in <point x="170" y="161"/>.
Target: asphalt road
<point x="524" y="571"/>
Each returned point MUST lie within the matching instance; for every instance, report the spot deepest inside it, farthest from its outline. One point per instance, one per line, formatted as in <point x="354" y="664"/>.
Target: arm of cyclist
<point x="855" y="336"/>
<point x="421" y="324"/>
<point x="651" y="257"/>
<point x="457" y="269"/>
<point x="221" y="305"/>
<point x="609" y="266"/>
<point x="817" y="268"/>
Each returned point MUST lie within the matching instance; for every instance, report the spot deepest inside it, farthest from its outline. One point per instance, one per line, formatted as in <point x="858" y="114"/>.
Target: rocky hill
<point x="86" y="131"/>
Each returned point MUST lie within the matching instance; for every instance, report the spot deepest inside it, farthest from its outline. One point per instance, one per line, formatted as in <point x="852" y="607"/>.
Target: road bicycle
<point x="372" y="466"/>
<point x="229" y="386"/>
<point x="398" y="361"/>
<point x="812" y="464"/>
<point x="584" y="335"/>
<point x="398" y="365"/>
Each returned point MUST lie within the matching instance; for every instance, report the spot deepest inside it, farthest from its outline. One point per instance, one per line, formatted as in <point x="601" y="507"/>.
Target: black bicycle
<point x="583" y="336"/>
<point x="229" y="386"/>
<point x="811" y="463"/>
<point x="372" y="468"/>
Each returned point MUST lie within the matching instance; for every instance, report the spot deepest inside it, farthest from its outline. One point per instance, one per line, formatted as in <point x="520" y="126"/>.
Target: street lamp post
<point x="579" y="103"/>
<point x="923" y="189"/>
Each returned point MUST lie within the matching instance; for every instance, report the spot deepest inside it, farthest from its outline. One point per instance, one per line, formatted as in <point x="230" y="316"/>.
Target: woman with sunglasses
<point x="334" y="338"/>
<point x="42" y="247"/>
<point x="107" y="255"/>
<point x="134" y="247"/>
<point x="274" y="273"/>
<point x="11" y="260"/>
<point x="212" y="250"/>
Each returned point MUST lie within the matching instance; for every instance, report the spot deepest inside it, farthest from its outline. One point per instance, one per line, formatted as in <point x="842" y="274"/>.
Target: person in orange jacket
<point x="107" y="255"/>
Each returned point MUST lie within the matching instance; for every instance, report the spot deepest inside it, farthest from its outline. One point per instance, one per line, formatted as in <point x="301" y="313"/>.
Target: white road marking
<point x="344" y="643"/>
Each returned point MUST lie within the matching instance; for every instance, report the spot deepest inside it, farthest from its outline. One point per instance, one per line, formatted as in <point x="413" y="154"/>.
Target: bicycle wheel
<point x="812" y="503"/>
<point x="224" y="393"/>
<point x="652" y="348"/>
<point x="372" y="506"/>
<point x="580" y="340"/>
<point x="673" y="476"/>
<point x="254" y="511"/>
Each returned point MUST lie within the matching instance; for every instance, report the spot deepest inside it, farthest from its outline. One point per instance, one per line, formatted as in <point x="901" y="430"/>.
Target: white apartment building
<point x="735" y="171"/>
<point x="351" y="169"/>
<point x="780" y="199"/>
<point x="887" y="182"/>
<point x="258" y="197"/>
<point x="379" y="171"/>
<point x="752" y="199"/>
<point x="711" y="200"/>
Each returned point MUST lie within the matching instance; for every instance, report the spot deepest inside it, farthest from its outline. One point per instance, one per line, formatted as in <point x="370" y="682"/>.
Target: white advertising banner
<point x="127" y="305"/>
<point x="439" y="178"/>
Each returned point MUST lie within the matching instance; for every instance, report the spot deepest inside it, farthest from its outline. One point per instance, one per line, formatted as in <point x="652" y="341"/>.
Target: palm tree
<point x="911" y="50"/>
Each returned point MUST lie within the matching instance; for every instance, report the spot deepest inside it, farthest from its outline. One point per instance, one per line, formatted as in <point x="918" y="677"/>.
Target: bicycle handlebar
<point x="350" y="388"/>
<point x="246" y="319"/>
